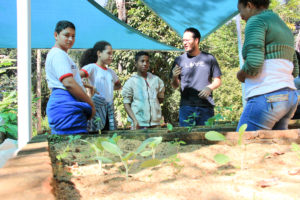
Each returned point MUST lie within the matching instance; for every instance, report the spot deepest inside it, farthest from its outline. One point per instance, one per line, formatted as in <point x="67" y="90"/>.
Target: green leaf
<point x="103" y="159"/>
<point x="12" y="131"/>
<point x="128" y="156"/>
<point x="146" y="153"/>
<point x="144" y="144"/>
<point x="98" y="143"/>
<point x="112" y="148"/>
<point x="295" y="147"/>
<point x="221" y="159"/>
<point x="157" y="141"/>
<point x="62" y="156"/>
<point x="170" y="127"/>
<point x="2" y="129"/>
<point x="12" y="117"/>
<point x="242" y="130"/>
<point x="150" y="163"/>
<point x="214" y="136"/>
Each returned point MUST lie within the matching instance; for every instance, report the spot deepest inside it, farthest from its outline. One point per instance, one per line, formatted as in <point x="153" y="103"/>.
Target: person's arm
<point x="161" y="91"/>
<point x="206" y="91"/>
<point x="215" y="83"/>
<point x="296" y="63"/>
<point x="117" y="85"/>
<point x="130" y="113"/>
<point x="76" y="90"/>
<point x="175" y="82"/>
<point x="82" y="73"/>
<point x="254" y="47"/>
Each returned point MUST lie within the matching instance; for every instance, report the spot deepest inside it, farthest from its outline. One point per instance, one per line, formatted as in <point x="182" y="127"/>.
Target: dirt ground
<point x="269" y="172"/>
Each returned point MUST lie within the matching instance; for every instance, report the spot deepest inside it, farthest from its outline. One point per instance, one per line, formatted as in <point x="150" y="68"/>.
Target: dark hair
<point x="90" y="55"/>
<point x="256" y="3"/>
<point x="195" y="32"/>
<point x="63" y="24"/>
<point x="139" y="54"/>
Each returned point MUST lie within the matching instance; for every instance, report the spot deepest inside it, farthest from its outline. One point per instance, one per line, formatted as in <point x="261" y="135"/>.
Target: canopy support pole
<point x="24" y="71"/>
<point x="240" y="47"/>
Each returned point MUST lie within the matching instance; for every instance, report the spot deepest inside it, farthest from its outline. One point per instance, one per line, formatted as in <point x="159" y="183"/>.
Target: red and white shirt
<point x="103" y="79"/>
<point x="59" y="66"/>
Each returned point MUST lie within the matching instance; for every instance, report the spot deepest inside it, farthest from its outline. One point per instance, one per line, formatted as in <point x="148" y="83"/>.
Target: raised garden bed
<point x="270" y="168"/>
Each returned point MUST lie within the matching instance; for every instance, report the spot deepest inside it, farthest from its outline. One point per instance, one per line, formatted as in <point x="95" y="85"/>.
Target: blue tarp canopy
<point x="93" y="23"/>
<point x="205" y="15"/>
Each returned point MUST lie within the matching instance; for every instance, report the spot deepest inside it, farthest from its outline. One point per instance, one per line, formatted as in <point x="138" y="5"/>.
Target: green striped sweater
<point x="267" y="37"/>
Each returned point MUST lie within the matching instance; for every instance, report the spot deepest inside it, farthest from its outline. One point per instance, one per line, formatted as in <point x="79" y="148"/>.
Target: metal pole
<point x="24" y="71"/>
<point x="240" y="47"/>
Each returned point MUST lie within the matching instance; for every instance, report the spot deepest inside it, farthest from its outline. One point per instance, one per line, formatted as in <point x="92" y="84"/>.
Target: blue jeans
<point x="189" y="115"/>
<point x="271" y="111"/>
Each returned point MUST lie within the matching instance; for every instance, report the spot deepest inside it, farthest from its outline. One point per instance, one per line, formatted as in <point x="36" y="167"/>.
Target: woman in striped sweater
<point x="268" y="71"/>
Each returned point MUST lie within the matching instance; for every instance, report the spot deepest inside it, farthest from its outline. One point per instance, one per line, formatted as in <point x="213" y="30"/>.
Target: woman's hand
<point x="241" y="76"/>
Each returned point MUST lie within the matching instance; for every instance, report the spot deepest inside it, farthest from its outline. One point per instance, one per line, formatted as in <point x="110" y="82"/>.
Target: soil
<point x="269" y="171"/>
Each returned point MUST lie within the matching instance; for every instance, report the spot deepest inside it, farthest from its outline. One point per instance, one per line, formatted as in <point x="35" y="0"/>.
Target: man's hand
<point x="176" y="71"/>
<point x="205" y="92"/>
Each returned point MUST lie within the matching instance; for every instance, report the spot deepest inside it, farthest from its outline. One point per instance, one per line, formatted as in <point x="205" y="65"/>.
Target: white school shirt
<point x="276" y="74"/>
<point x="59" y="66"/>
<point x="103" y="79"/>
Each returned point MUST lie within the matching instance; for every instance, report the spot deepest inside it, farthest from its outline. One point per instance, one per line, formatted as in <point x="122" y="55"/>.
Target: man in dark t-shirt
<point x="198" y="74"/>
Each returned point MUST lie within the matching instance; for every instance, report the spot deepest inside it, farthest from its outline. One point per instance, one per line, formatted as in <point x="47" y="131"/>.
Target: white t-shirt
<point x="276" y="74"/>
<point x="103" y="79"/>
<point x="59" y="66"/>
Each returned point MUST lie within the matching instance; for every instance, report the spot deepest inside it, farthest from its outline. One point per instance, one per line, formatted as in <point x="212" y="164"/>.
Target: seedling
<point x="169" y="127"/>
<point x="177" y="143"/>
<point x="296" y="148"/>
<point x="152" y="143"/>
<point x="242" y="130"/>
<point x="216" y="136"/>
<point x="173" y="160"/>
<point x="65" y="151"/>
<point x="98" y="119"/>
<point x="115" y="150"/>
<point x="99" y="151"/>
<point x="212" y="121"/>
<point x="191" y="121"/>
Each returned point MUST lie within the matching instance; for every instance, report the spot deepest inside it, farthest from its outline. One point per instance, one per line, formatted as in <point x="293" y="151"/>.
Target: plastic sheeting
<point x="93" y="23"/>
<point x="205" y="15"/>
<point x="8" y="149"/>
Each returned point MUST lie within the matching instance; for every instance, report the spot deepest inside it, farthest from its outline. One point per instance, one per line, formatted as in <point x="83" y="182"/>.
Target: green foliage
<point x="169" y="127"/>
<point x="152" y="143"/>
<point x="221" y="159"/>
<point x="242" y="130"/>
<point x="8" y="112"/>
<point x="296" y="148"/>
<point x="65" y="152"/>
<point x="214" y="136"/>
<point x="10" y="126"/>
<point x="150" y="163"/>
<point x="112" y="147"/>
<point x="173" y="161"/>
<point x="289" y="12"/>
<point x="98" y="149"/>
<point x="177" y="143"/>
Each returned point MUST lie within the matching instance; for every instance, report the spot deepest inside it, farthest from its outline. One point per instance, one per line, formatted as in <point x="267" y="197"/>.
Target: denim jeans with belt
<point x="271" y="111"/>
<point x="190" y="115"/>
